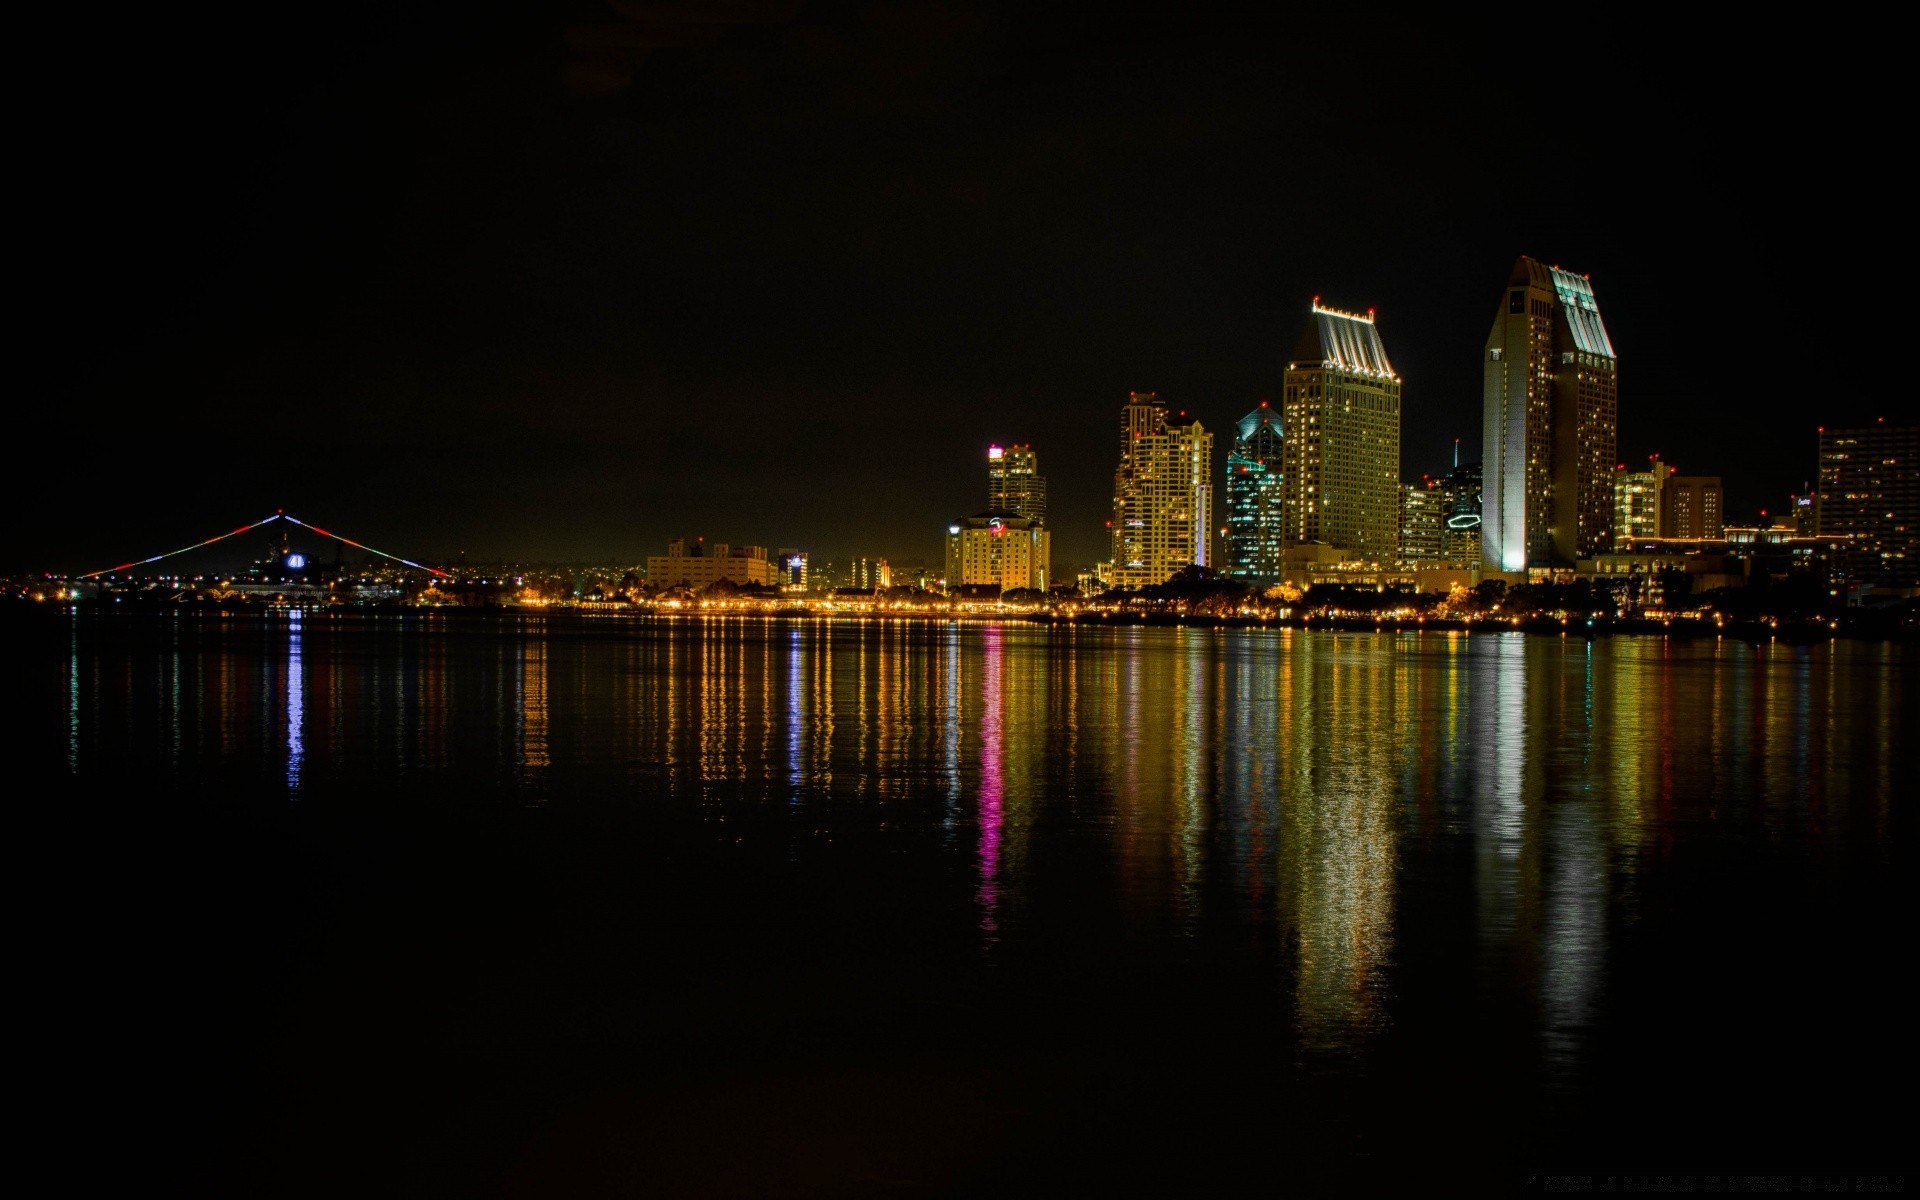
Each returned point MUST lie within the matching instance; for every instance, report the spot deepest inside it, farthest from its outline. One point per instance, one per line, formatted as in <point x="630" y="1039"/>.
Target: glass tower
<point x="1256" y="505"/>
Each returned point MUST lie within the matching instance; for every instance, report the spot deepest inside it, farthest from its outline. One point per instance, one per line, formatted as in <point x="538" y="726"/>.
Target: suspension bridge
<point x="278" y="515"/>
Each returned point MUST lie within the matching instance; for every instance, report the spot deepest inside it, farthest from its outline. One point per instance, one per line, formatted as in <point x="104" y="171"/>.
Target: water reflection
<point x="1301" y="800"/>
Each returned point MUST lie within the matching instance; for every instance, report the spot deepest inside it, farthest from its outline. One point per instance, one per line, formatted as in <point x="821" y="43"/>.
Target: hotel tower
<point x="1550" y="401"/>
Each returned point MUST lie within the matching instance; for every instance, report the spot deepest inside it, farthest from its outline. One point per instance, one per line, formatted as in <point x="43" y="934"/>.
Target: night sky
<point x="563" y="282"/>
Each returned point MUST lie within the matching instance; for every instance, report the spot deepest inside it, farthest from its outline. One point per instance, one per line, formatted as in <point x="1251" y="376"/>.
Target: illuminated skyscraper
<point x="1870" y="490"/>
<point x="1342" y="459"/>
<point x="1550" y="429"/>
<point x="1014" y="482"/>
<point x="1162" y="493"/>
<point x="1256" y="503"/>
<point x="1423" y="522"/>
<point x="1461" y="542"/>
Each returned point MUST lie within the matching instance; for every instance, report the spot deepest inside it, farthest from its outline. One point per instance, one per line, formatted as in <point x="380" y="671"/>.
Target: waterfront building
<point x="790" y="569"/>
<point x="1691" y="506"/>
<point x="699" y="565"/>
<point x="1162" y="494"/>
<point x="1636" y="502"/>
<point x="1014" y="482"/>
<point x="998" y="549"/>
<point x="1256" y="501"/>
<point x="1461" y="539"/>
<point x="1341" y="415"/>
<point x="1550" y="423"/>
<point x="1870" y="491"/>
<point x="1424" y="508"/>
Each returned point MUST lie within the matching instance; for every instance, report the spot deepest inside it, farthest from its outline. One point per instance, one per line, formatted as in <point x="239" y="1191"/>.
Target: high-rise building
<point x="1341" y="467"/>
<point x="1550" y="403"/>
<point x="1003" y="550"/>
<point x="1462" y="537"/>
<point x="1162" y="493"/>
<point x="1691" y="507"/>
<point x="1870" y="491"/>
<point x="1424" y="510"/>
<point x="1014" y="482"/>
<point x="1636" y="502"/>
<point x="1256" y="502"/>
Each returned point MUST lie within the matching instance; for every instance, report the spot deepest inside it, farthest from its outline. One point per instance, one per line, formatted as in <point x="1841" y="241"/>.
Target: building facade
<point x="1341" y="414"/>
<point x="1870" y="492"/>
<point x="1162" y="494"/>
<point x="997" y="549"/>
<point x="1255" y="499"/>
<point x="1014" y="482"/>
<point x="1462" y="537"/>
<point x="1691" y="506"/>
<point x="1550" y="401"/>
<point x="1424" y="508"/>
<point x="700" y="565"/>
<point x="1636" y="502"/>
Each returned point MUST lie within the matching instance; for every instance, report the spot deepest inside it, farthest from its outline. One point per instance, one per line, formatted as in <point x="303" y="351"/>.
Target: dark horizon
<point x="557" y="284"/>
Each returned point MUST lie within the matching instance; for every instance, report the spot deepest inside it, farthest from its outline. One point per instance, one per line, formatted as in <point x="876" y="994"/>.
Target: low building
<point x="998" y="549"/>
<point x="700" y="565"/>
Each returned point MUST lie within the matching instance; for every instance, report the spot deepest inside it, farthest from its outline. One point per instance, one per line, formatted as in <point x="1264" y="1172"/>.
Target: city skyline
<point x="427" y="281"/>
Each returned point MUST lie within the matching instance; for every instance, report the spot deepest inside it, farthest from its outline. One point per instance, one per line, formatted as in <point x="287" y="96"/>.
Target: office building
<point x="1870" y="492"/>
<point x="1002" y="550"/>
<point x="1014" y="483"/>
<point x="790" y="569"/>
<point x="1461" y="539"/>
<point x="1424" y="508"/>
<point x="1162" y="494"/>
<point x="1256" y="503"/>
<point x="1341" y="414"/>
<point x="1690" y="506"/>
<point x="700" y="565"/>
<point x="1550" y="400"/>
<point x="1636" y="502"/>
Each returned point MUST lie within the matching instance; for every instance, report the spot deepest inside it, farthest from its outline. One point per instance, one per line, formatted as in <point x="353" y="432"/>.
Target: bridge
<point x="278" y="515"/>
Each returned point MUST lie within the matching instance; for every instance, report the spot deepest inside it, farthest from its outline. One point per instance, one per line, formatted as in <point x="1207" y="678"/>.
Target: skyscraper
<point x="1341" y="464"/>
<point x="1550" y="428"/>
<point x="1461" y="542"/>
<point x="1870" y="490"/>
<point x="1256" y="503"/>
<point x="1014" y="482"/>
<point x="1162" y="493"/>
<point x="1423" y="522"/>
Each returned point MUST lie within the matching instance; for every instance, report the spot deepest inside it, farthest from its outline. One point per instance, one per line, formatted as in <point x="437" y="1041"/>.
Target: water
<point x="518" y="906"/>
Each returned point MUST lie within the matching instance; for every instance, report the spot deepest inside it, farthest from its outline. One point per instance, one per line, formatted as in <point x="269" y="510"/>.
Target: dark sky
<point x="556" y="282"/>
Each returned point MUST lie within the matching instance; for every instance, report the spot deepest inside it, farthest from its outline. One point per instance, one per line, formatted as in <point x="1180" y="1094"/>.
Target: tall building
<point x="1691" y="507"/>
<point x="701" y="565"/>
<point x="1636" y="502"/>
<point x="1256" y="502"/>
<point x="1003" y="550"/>
<point x="1462" y="537"/>
<point x="790" y="569"/>
<point x="1870" y="491"/>
<point x="1424" y="508"/>
<point x="1162" y="493"/>
<point x="1341" y="467"/>
<point x="1014" y="482"/>
<point x="1550" y="401"/>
